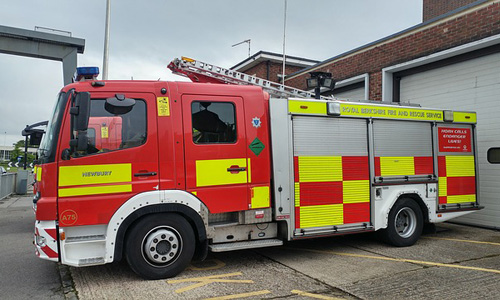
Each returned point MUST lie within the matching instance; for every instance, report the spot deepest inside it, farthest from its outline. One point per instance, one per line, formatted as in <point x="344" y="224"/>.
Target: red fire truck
<point x="198" y="167"/>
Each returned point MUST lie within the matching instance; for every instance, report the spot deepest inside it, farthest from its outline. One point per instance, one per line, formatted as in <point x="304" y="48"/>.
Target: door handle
<point x="145" y="174"/>
<point x="236" y="169"/>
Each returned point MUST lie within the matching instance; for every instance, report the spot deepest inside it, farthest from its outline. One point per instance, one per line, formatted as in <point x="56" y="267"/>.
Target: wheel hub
<point x="406" y="222"/>
<point x="161" y="245"/>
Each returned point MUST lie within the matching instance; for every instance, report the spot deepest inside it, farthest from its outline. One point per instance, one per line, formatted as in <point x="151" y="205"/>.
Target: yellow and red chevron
<point x="457" y="179"/>
<point x="331" y="190"/>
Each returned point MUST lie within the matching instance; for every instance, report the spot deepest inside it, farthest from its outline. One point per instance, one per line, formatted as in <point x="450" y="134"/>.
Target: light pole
<point x="5" y="145"/>
<point x="106" y="42"/>
<point x="284" y="39"/>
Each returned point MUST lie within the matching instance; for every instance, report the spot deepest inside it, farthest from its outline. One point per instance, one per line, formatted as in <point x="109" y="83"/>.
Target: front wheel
<point x="160" y="246"/>
<point x="405" y="223"/>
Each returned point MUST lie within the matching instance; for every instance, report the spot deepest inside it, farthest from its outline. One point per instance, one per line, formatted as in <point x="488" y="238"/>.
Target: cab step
<point x="245" y="245"/>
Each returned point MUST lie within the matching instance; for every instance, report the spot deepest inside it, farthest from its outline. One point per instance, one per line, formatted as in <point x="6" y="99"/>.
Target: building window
<point x="494" y="155"/>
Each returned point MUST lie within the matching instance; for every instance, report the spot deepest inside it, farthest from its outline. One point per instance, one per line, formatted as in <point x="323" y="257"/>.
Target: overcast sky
<point x="147" y="35"/>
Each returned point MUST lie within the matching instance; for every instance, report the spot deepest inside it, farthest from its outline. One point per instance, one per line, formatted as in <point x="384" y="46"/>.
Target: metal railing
<point x="7" y="184"/>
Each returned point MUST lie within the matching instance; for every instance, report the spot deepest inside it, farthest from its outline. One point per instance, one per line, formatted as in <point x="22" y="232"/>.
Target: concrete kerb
<point x="67" y="283"/>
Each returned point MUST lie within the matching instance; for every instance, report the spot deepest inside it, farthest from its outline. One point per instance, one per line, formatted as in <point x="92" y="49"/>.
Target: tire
<point x="405" y="224"/>
<point x="160" y="246"/>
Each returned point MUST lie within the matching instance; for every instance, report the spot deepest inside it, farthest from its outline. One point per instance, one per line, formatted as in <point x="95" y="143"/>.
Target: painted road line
<point x="202" y="281"/>
<point x="419" y="262"/>
<point x="464" y="241"/>
<point x="316" y="296"/>
<point x="242" y="295"/>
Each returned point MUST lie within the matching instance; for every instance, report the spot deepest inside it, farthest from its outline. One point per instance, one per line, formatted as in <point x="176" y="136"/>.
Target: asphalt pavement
<point x="22" y="274"/>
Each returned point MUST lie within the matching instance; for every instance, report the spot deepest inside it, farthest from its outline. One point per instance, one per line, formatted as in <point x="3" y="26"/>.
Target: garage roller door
<point x="354" y="94"/>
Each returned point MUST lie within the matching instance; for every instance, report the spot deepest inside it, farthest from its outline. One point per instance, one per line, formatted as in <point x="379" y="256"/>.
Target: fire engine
<point x="160" y="173"/>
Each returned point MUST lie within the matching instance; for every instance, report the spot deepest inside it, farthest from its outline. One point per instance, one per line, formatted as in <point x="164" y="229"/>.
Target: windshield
<point x="47" y="150"/>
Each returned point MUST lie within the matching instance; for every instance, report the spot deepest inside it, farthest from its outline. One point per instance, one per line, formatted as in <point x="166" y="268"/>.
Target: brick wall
<point x="260" y="70"/>
<point x="435" y="8"/>
<point x="470" y="27"/>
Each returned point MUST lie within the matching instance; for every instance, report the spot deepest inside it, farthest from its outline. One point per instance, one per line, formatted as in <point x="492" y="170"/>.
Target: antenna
<point x="245" y="41"/>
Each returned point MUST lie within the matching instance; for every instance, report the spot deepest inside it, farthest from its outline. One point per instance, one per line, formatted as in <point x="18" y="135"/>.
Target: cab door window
<point x="109" y="132"/>
<point x="213" y="122"/>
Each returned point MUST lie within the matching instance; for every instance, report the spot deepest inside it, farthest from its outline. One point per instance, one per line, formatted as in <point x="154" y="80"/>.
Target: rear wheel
<point x="160" y="246"/>
<point x="405" y="223"/>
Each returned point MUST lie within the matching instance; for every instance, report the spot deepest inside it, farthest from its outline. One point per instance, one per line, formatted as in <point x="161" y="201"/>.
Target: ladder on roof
<point x="199" y="71"/>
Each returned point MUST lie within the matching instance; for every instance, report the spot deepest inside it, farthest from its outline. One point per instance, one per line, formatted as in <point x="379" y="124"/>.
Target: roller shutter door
<point x="331" y="173"/>
<point x="354" y="94"/>
<point x="469" y="85"/>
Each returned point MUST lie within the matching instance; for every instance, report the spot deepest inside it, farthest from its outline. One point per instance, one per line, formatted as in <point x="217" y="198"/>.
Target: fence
<point x="7" y="184"/>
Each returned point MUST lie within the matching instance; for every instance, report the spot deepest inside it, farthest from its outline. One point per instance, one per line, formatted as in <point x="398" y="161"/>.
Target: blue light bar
<point x="86" y="73"/>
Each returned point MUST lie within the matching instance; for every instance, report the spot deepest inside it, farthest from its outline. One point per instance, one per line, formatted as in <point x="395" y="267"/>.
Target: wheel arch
<point x="392" y="194"/>
<point x="153" y="202"/>
<point x="189" y="214"/>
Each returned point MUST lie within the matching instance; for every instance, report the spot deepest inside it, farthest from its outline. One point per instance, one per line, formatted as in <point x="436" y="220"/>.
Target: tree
<point x="19" y="151"/>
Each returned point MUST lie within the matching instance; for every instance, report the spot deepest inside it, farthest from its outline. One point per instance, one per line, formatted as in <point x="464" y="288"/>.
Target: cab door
<point x="215" y="151"/>
<point x="120" y="162"/>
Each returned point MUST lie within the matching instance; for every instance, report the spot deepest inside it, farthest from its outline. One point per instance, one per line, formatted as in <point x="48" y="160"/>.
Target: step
<point x="86" y="238"/>
<point x="245" y="245"/>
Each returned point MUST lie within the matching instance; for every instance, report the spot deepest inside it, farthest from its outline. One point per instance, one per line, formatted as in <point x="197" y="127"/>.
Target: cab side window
<point x="108" y="132"/>
<point x="213" y="122"/>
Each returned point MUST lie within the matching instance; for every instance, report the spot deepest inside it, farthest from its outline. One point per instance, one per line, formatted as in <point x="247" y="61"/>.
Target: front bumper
<point x="45" y="240"/>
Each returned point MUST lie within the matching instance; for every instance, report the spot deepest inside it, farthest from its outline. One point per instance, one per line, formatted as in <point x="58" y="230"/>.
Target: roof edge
<point x="255" y="56"/>
<point x="389" y="37"/>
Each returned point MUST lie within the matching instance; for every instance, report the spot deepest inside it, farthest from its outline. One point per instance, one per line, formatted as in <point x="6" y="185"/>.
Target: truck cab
<point x="118" y="153"/>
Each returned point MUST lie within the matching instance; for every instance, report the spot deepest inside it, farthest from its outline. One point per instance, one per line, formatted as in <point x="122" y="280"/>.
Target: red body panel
<point x="166" y="151"/>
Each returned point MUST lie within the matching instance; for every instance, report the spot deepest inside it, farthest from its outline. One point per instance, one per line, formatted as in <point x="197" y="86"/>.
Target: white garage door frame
<point x="388" y="72"/>
<point x="363" y="80"/>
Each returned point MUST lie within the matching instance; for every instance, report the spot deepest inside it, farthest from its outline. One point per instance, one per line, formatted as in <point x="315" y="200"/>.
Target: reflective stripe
<point x="320" y="168"/>
<point x="356" y="191"/>
<point x="307" y="107"/>
<point x="393" y="166"/>
<point x="460" y="166"/>
<point x="321" y="215"/>
<point x="214" y="172"/>
<point x="360" y="110"/>
<point x="93" y="190"/>
<point x="249" y="169"/>
<point x="38" y="172"/>
<point x="260" y="197"/>
<point x="443" y="186"/>
<point x="297" y="194"/>
<point x="94" y="174"/>
<point x="461" y="198"/>
<point x="464" y="117"/>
